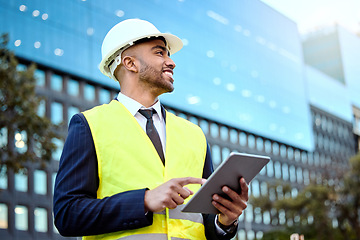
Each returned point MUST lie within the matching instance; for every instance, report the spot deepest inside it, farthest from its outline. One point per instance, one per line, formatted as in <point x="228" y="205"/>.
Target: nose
<point x="170" y="63"/>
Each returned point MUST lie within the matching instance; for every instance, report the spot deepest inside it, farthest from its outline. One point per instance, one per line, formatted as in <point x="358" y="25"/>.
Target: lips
<point x="169" y="73"/>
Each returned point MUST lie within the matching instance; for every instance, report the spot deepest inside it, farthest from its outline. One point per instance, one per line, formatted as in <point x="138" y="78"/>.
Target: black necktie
<point x="152" y="133"/>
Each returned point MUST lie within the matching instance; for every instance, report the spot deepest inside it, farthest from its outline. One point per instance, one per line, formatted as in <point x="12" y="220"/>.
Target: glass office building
<point x="245" y="75"/>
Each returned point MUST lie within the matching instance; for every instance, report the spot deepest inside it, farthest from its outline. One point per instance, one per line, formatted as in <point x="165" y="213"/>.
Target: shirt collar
<point x="133" y="106"/>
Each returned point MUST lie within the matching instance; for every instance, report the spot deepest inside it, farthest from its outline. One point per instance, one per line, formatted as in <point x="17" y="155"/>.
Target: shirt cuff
<point x="218" y="229"/>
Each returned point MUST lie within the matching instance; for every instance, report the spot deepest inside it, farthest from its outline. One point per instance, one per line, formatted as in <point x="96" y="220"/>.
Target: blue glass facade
<point x="242" y="62"/>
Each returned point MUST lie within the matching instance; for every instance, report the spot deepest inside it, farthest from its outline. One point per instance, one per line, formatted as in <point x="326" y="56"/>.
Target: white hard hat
<point x="123" y="35"/>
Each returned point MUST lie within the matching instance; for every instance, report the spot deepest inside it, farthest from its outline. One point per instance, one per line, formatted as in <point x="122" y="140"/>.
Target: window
<point x="40" y="78"/>
<point x="233" y="136"/>
<point x="285" y="171"/>
<point x="250" y="235"/>
<point x="277" y="167"/>
<point x="303" y="157"/>
<point x="53" y="178"/>
<point x="292" y="174"/>
<point x="182" y="115"/>
<point x="266" y="217"/>
<point x="330" y="125"/>
<point x="317" y="120"/>
<point x="21" y="67"/>
<point x="241" y="218"/>
<point x="3" y="137"/>
<point x="57" y="153"/>
<point x="21" y="218"/>
<point x="274" y="220"/>
<point x="21" y="182"/>
<point x="3" y="216"/>
<point x="89" y="92"/>
<point x="272" y="194"/>
<point x="297" y="155"/>
<point x="255" y="188"/>
<point x="294" y="192"/>
<point x="72" y="111"/>
<point x="56" y="83"/>
<point x="216" y="157"/>
<point x="242" y="139"/>
<point x="242" y="234"/>
<point x="310" y="219"/>
<point x="283" y="151"/>
<point x="306" y="177"/>
<point x="264" y="189"/>
<point x="249" y="216"/>
<point x="310" y="159"/>
<point x="279" y="192"/>
<point x="258" y="216"/>
<point x="73" y="87"/>
<point x="320" y="141"/>
<point x="275" y="148"/>
<point x="259" y="235"/>
<point x="290" y="153"/>
<point x="251" y="141"/>
<point x="3" y="178"/>
<point x="41" y="108"/>
<point x="40" y="182"/>
<point x="56" y="113"/>
<point x="194" y="120"/>
<point x="259" y="144"/>
<point x="224" y="133"/>
<point x="324" y="123"/>
<point x="104" y="96"/>
<point x="214" y="130"/>
<point x="326" y="143"/>
<point x="204" y="126"/>
<point x="40" y="220"/>
<point x="312" y="175"/>
<point x="225" y="153"/>
<point x="270" y="169"/>
<point x="267" y="146"/>
<point x="290" y="222"/>
<point x="316" y="159"/>
<point x="282" y="219"/>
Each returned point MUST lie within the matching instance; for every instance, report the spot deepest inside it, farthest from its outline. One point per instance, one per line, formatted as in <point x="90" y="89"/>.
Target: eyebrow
<point x="162" y="48"/>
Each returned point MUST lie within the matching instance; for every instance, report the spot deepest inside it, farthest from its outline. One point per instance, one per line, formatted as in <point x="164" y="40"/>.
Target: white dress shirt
<point x="133" y="107"/>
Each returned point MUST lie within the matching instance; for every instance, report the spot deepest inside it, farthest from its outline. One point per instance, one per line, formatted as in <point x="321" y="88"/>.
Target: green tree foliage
<point x="319" y="211"/>
<point x="348" y="202"/>
<point x="25" y="136"/>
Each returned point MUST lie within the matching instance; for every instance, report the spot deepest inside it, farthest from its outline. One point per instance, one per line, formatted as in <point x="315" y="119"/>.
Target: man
<point x="128" y="166"/>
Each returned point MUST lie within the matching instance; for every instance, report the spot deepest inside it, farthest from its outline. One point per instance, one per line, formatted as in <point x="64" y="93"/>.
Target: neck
<point x="145" y="98"/>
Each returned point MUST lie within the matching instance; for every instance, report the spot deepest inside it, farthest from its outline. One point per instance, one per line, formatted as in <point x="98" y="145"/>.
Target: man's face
<point x="156" y="67"/>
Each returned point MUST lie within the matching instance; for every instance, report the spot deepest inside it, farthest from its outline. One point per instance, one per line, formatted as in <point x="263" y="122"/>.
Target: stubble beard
<point x="154" y="78"/>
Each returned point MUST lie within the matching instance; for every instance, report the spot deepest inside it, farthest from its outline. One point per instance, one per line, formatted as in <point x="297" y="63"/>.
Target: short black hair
<point x="148" y="39"/>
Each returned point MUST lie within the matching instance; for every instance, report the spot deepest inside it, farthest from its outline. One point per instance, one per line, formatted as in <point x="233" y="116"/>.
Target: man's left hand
<point x="230" y="210"/>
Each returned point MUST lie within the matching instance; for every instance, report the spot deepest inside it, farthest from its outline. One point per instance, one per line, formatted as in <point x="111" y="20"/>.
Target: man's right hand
<point x="170" y="194"/>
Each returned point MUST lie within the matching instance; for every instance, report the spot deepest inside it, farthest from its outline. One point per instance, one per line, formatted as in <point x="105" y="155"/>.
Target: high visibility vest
<point x="127" y="160"/>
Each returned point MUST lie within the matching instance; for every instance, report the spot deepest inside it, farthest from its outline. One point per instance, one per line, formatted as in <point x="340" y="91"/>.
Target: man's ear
<point x="130" y="64"/>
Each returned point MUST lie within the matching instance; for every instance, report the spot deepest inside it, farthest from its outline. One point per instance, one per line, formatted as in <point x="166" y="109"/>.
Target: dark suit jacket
<point x="78" y="212"/>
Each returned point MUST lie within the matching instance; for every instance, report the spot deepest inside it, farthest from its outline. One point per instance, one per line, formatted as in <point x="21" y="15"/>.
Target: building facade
<point x="260" y="92"/>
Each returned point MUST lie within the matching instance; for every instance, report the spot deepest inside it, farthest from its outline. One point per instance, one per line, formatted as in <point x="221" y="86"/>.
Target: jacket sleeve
<point x="77" y="211"/>
<point x="209" y="219"/>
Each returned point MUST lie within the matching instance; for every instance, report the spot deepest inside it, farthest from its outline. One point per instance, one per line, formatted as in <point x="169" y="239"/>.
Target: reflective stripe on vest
<point x="121" y="143"/>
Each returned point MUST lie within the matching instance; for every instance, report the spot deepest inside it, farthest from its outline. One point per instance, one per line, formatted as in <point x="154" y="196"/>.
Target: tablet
<point x="228" y="173"/>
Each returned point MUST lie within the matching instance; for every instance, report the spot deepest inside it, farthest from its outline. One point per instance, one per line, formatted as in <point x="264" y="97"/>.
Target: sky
<point x="310" y="14"/>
